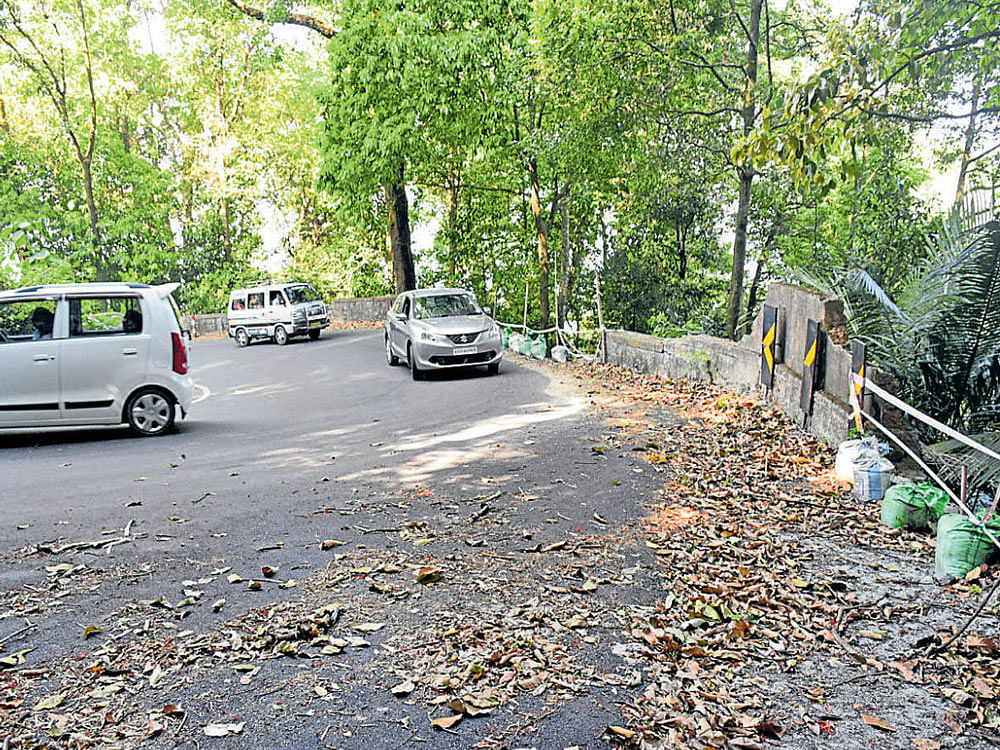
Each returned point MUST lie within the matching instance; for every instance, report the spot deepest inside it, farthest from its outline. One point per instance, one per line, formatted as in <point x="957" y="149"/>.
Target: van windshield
<point x="302" y="293"/>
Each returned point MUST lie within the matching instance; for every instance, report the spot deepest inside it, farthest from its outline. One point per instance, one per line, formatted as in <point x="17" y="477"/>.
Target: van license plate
<point x="458" y="351"/>
<point x="316" y="323"/>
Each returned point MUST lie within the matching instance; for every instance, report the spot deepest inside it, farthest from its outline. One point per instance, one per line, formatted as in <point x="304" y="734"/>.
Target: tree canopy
<point x="683" y="152"/>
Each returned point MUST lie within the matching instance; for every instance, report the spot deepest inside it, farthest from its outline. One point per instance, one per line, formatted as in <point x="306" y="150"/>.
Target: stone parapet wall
<point x="359" y="309"/>
<point x="737" y="365"/>
<point x="208" y="325"/>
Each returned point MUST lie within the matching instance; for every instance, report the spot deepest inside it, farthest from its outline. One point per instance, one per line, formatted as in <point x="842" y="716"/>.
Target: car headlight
<point x="493" y="330"/>
<point x="428" y="336"/>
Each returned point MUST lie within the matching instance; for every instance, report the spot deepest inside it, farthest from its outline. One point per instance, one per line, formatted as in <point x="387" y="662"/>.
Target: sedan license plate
<point x="458" y="351"/>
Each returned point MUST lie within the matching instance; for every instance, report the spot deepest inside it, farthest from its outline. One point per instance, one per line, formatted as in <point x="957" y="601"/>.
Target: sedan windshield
<point x="302" y="293"/>
<point x="444" y="305"/>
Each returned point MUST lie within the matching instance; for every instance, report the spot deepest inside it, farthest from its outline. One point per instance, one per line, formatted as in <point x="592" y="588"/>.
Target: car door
<point x="237" y="310"/>
<point x="105" y="357"/>
<point x="277" y="308"/>
<point x="397" y="326"/>
<point x="29" y="363"/>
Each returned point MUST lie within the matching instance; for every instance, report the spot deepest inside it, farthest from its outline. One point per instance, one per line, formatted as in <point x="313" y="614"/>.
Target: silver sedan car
<point x="437" y="329"/>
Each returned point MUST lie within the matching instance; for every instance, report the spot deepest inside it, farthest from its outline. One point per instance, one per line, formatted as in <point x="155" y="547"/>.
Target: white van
<point x="93" y="354"/>
<point x="277" y="312"/>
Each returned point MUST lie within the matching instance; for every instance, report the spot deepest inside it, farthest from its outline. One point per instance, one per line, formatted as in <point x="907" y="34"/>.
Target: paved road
<point x="269" y="423"/>
<point x="288" y="446"/>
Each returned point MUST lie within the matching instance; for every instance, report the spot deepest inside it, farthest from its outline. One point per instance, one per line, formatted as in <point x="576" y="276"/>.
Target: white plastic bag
<point x="846" y="453"/>
<point x="873" y="472"/>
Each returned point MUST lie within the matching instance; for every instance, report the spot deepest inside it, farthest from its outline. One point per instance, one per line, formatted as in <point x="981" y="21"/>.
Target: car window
<point x="405" y="307"/>
<point x="238" y="303"/>
<point x="104" y="316"/>
<point x="277" y="298"/>
<point x="255" y="301"/>
<point x="302" y="293"/>
<point x="444" y="305"/>
<point x="26" y="320"/>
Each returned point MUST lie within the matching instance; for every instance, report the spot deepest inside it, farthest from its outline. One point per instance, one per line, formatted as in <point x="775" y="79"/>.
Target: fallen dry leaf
<point x="224" y="730"/>
<point x="874" y="721"/>
<point x="446" y="722"/>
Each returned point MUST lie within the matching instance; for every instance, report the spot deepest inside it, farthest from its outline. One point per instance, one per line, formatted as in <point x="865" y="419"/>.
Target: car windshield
<point x="302" y="293"/>
<point x="444" y="305"/>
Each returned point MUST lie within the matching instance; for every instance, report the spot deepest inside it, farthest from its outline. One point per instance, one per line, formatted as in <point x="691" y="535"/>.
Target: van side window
<point x="277" y="298"/>
<point x="255" y="301"/>
<point x="238" y="303"/>
<point x="104" y="316"/>
<point x="26" y="320"/>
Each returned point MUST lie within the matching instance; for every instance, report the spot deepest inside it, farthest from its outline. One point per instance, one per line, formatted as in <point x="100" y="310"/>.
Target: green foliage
<point x="940" y="336"/>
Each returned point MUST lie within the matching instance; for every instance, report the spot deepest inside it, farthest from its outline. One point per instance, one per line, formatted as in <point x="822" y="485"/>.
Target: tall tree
<point x="52" y="43"/>
<point x="393" y="175"/>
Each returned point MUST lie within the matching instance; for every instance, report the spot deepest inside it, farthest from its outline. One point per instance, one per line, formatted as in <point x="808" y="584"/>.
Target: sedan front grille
<point x="480" y="358"/>
<point x="463" y="338"/>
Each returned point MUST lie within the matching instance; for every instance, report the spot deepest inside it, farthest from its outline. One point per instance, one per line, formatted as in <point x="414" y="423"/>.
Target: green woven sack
<point x="961" y="545"/>
<point x="537" y="348"/>
<point x="504" y="336"/>
<point x="898" y="512"/>
<point x="912" y="506"/>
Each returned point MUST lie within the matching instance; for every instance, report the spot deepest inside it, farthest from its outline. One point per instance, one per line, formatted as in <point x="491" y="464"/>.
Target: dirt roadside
<point x="673" y="565"/>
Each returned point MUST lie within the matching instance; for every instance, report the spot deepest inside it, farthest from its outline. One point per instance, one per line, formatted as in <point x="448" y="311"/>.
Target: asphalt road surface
<point x="283" y="448"/>
<point x="269" y="423"/>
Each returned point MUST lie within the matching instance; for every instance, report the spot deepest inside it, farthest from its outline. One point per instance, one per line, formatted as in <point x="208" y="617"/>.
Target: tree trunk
<point x="227" y="227"/>
<point x="682" y="258"/>
<point x="970" y="140"/>
<point x="125" y="132"/>
<point x="452" y="223"/>
<point x="404" y="276"/>
<point x="735" y="305"/>
<point x="4" y="125"/>
<point x="542" y="226"/>
<point x="95" y="232"/>
<point x="746" y="174"/>
<point x="562" y="294"/>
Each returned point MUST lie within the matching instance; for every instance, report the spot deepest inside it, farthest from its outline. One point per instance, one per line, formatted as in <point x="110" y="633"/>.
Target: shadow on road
<point x="35" y="438"/>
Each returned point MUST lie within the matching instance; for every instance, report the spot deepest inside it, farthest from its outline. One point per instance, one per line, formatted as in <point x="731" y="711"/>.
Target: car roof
<point x="95" y="287"/>
<point x="268" y="285"/>
<point x="431" y="291"/>
<point x="91" y="288"/>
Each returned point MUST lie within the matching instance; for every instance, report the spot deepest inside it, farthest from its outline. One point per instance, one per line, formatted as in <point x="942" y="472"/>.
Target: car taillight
<point x="180" y="354"/>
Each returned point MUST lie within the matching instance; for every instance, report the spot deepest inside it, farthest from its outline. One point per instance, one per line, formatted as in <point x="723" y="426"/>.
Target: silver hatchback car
<point x="438" y="329"/>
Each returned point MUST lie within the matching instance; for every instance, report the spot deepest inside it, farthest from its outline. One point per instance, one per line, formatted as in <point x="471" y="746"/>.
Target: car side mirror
<point x="488" y="310"/>
<point x="401" y="316"/>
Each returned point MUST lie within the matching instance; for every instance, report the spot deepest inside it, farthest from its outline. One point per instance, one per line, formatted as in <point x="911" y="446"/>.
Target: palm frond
<point x="861" y="279"/>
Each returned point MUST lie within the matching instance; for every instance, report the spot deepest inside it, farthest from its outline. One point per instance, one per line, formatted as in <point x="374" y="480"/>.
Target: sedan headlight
<point x="428" y="336"/>
<point x="493" y="330"/>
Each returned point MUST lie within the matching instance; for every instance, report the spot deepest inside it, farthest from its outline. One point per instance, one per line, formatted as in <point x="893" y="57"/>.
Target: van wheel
<point x="415" y="371"/>
<point x="150" y="412"/>
<point x="314" y="334"/>
<point x="280" y="336"/>
<point x="242" y="338"/>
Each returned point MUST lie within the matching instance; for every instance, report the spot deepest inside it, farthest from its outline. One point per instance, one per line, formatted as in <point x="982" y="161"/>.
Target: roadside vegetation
<point x="684" y="152"/>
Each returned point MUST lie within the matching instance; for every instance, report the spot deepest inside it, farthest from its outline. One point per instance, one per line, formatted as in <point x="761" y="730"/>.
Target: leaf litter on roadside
<point x="753" y="540"/>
